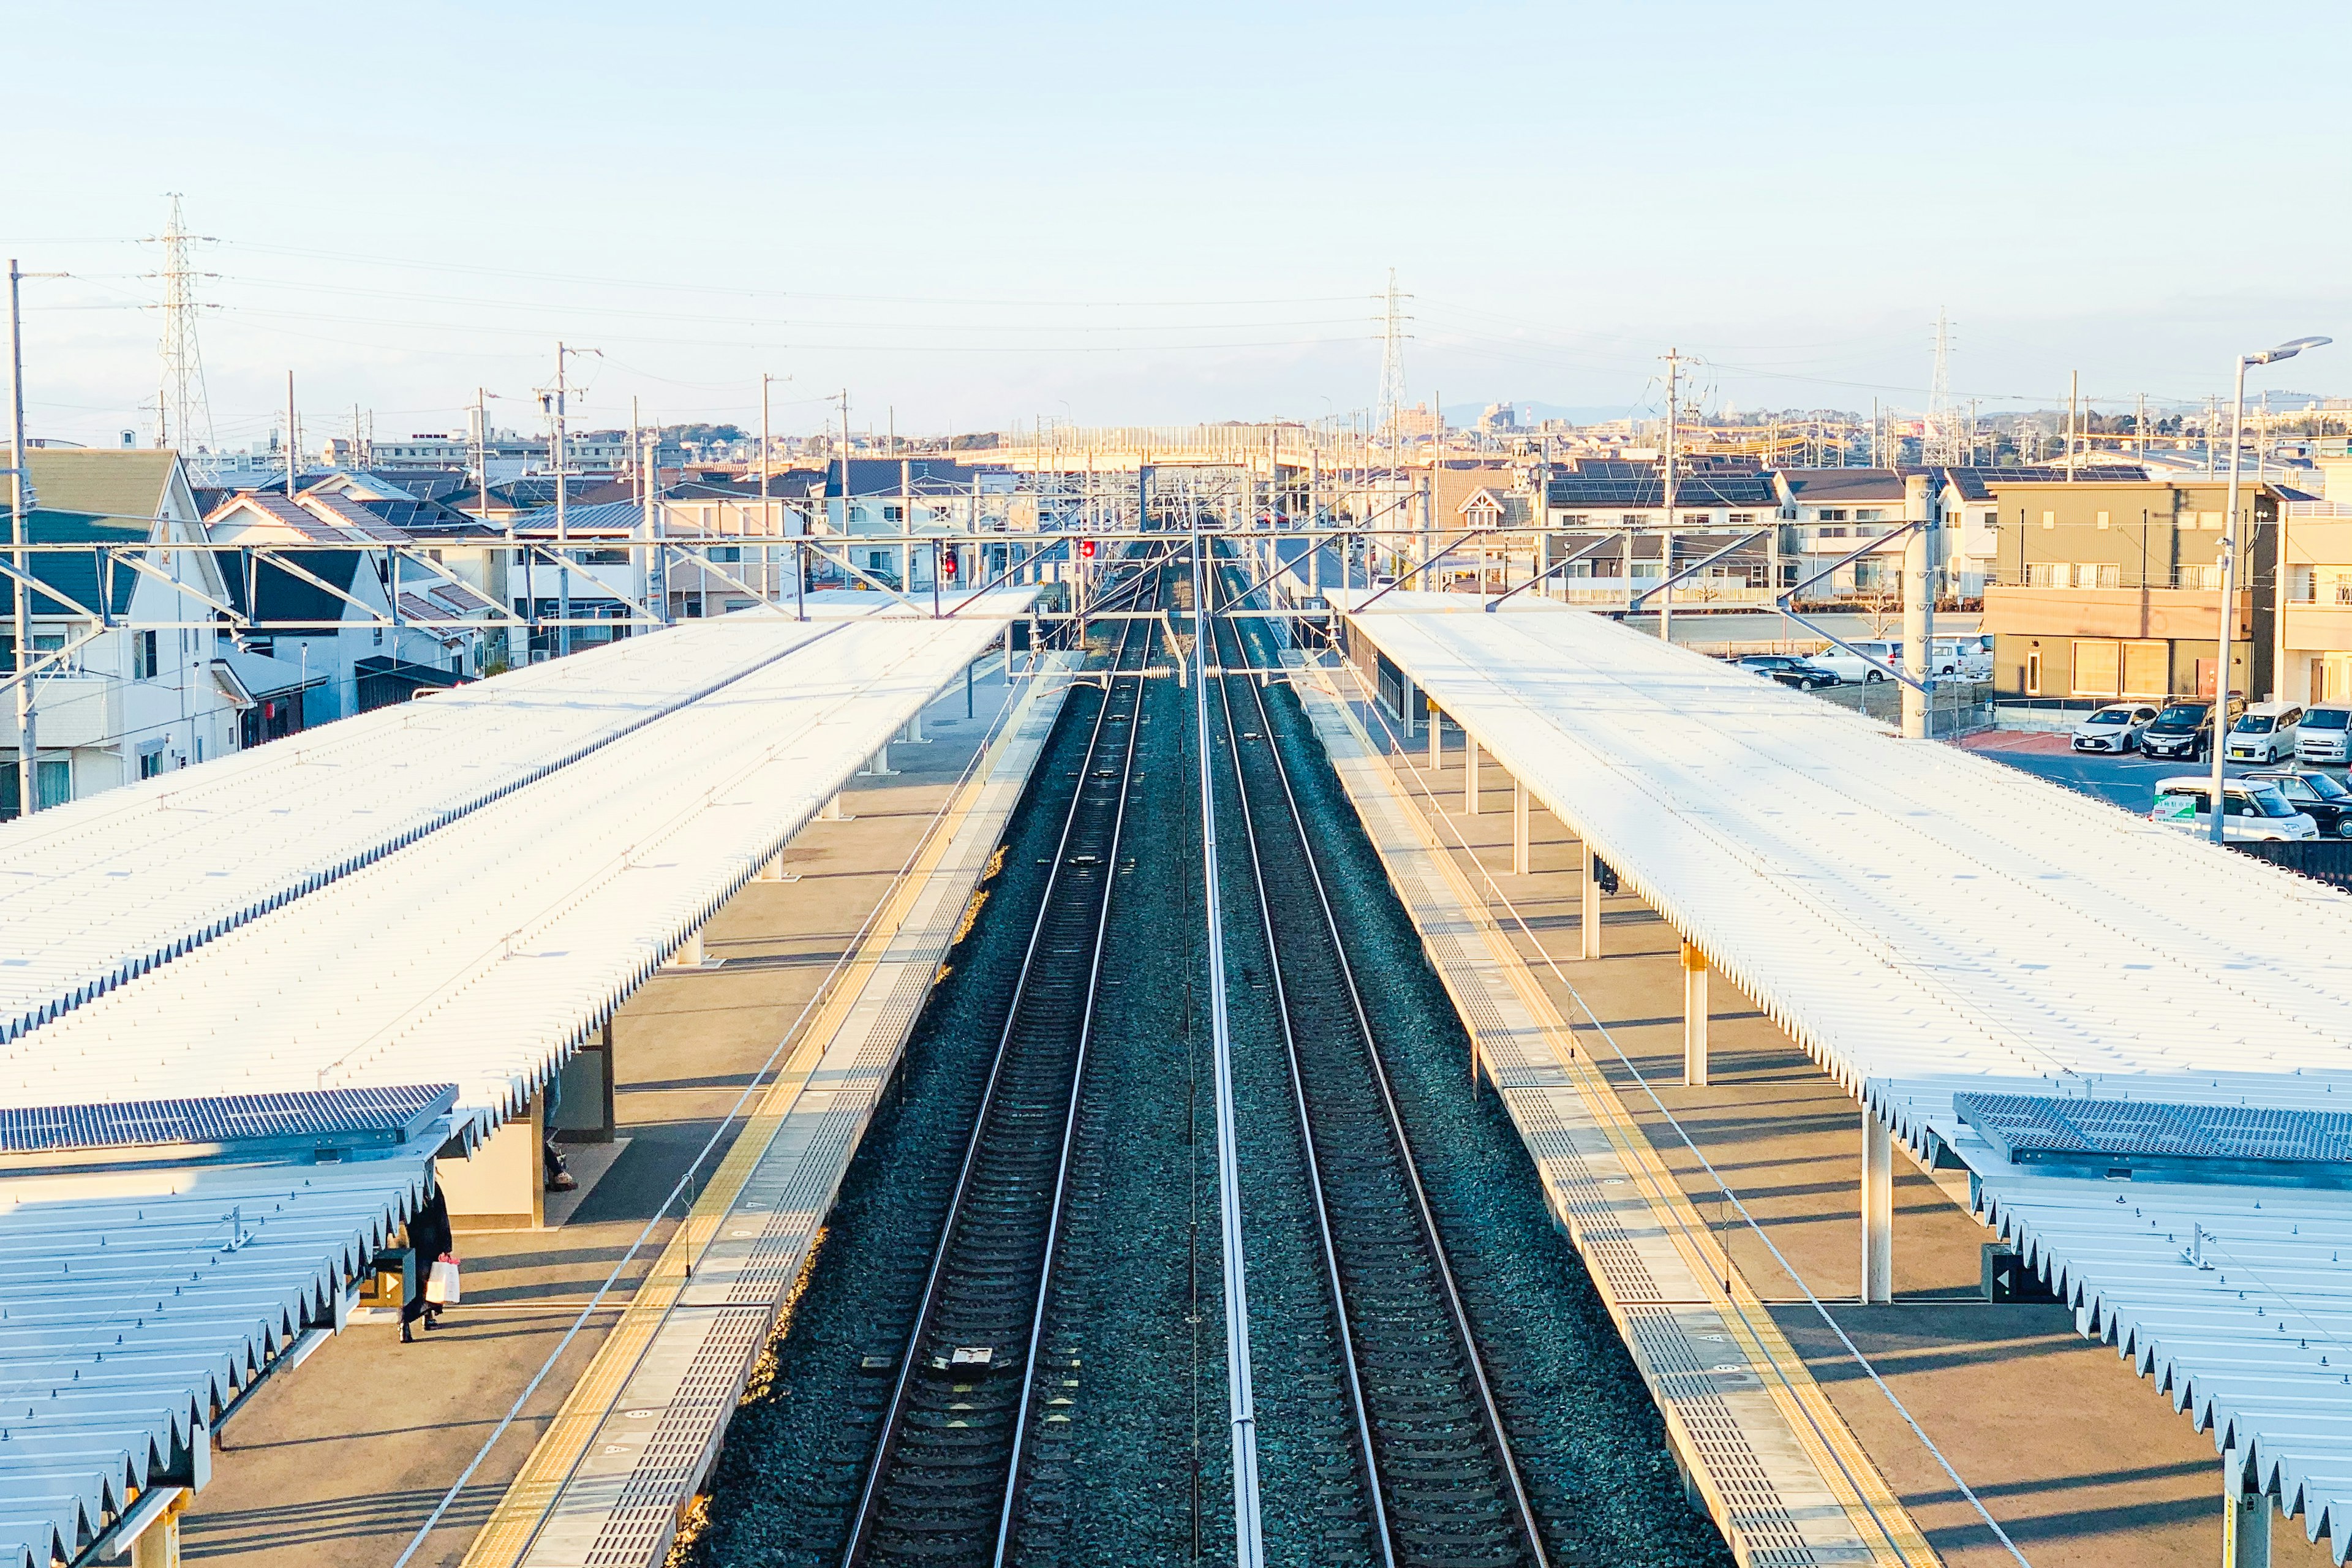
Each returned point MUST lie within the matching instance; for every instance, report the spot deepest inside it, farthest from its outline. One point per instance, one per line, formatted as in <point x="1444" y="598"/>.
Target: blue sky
<point x="972" y="216"/>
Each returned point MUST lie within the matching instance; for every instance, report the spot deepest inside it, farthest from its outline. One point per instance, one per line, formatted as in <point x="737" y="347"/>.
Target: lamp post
<point x="2287" y="350"/>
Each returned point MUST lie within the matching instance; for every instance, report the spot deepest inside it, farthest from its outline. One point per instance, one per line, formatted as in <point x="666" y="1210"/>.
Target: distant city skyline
<point x="970" y="221"/>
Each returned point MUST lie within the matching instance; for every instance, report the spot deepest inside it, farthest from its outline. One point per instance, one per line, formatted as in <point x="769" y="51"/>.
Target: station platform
<point x="612" y="1478"/>
<point x="345" y="1462"/>
<point x="1762" y="1452"/>
<point x="2083" y="1464"/>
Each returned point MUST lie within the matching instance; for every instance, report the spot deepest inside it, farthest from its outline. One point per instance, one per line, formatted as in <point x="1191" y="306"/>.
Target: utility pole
<point x="844" y="395"/>
<point x="20" y="505"/>
<point x="559" y="407"/>
<point x="1667" y="566"/>
<point x="293" y="439"/>
<point x="766" y="522"/>
<point x="2073" y="417"/>
<point x="482" y="396"/>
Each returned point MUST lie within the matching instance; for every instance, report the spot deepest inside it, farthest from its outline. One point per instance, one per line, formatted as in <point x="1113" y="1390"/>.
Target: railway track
<point x="1443" y="1487"/>
<point x="941" y="1484"/>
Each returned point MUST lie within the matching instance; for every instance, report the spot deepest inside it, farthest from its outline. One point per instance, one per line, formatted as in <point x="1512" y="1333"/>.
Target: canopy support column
<point x="2245" y="1517"/>
<point x="1693" y="1018"/>
<point x="1589" y="921"/>
<point x="833" y="812"/>
<point x="1518" y="828"/>
<point x="1877" y="1210"/>
<point x="1436" y="740"/>
<point x="1469" y="774"/>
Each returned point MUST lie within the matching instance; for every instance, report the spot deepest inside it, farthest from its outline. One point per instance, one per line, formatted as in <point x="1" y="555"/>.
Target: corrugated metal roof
<point x="139" y="1303"/>
<point x="497" y="941"/>
<point x="99" y="891"/>
<point x="1915" y="915"/>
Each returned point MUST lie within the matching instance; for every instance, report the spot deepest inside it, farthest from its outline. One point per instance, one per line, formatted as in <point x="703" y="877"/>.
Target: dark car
<point x="1788" y="670"/>
<point x="2184" y="729"/>
<point x="2317" y="795"/>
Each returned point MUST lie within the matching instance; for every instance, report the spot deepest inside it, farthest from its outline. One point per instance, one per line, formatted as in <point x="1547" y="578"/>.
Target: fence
<point x="2328" y="860"/>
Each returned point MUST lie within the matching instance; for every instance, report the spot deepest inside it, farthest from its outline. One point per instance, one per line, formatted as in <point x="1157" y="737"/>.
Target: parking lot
<point x="2128" y="781"/>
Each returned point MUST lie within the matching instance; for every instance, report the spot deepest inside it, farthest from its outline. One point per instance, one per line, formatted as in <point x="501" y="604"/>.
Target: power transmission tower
<point x="187" y="415"/>
<point x="1943" y="444"/>
<point x="1388" y="415"/>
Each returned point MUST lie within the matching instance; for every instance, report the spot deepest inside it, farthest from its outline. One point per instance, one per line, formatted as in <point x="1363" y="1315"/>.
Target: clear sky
<point x="976" y="215"/>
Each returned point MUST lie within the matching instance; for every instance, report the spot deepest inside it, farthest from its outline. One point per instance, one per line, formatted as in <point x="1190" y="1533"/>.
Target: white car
<point x="2265" y="733"/>
<point x="2115" y="728"/>
<point x="2326" y="733"/>
<point x="2257" y="811"/>
<point x="1962" y="658"/>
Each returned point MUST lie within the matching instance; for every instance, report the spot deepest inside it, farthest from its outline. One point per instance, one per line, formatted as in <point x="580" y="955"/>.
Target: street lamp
<point x="2287" y="350"/>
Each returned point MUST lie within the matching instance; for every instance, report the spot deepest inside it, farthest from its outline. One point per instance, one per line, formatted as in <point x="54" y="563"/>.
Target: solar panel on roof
<point x="2217" y="1142"/>
<point x="349" y="1118"/>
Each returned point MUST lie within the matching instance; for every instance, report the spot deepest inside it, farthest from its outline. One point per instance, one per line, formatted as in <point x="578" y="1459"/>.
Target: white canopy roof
<point x="1921" y="918"/>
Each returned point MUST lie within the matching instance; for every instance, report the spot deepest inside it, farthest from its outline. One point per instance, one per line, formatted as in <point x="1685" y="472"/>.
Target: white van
<point x="2264" y="733"/>
<point x="2326" y="733"/>
<point x="2257" y="811"/>
<point x="1965" y="658"/>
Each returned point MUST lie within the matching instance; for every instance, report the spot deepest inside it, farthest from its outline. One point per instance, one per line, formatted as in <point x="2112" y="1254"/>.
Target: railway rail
<point x="1443" y="1488"/>
<point x="941" y="1485"/>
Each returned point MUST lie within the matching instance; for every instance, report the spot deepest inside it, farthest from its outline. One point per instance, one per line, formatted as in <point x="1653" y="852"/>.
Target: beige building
<point x="2111" y="588"/>
<point x="2312" y="635"/>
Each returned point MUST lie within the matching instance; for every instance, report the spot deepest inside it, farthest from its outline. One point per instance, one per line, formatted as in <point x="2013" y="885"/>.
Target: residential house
<point x="1972" y="522"/>
<point x="330" y="587"/>
<point x="2110" y="588"/>
<point x="129" y="689"/>
<point x="1609" y="520"/>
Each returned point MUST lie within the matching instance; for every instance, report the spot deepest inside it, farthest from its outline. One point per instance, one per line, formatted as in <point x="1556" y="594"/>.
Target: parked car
<point x="2184" y="729"/>
<point x="2256" y="811"/>
<point x="2264" y="733"/>
<point x="2325" y="734"/>
<point x="2317" y="795"/>
<point x="1788" y="671"/>
<point x="2115" y="728"/>
<point x="1965" y="658"/>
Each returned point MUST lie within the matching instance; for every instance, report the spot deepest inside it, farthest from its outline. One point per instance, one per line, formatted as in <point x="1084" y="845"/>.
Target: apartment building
<point x="2108" y="588"/>
<point x="2313" y="633"/>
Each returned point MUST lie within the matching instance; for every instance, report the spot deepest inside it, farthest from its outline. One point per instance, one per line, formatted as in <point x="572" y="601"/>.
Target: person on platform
<point x="431" y="1239"/>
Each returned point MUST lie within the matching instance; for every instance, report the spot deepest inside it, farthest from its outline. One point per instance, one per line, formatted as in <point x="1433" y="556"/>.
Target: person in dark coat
<point x="429" y="1237"/>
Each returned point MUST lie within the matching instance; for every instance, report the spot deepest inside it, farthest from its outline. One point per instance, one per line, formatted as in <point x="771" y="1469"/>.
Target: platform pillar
<point x="833" y="812"/>
<point x="690" y="952"/>
<point x="1469" y="774"/>
<point x="915" y="730"/>
<point x="502" y="1184"/>
<point x="1519" y="806"/>
<point x="1436" y="740"/>
<point x="158" y="1545"/>
<point x="1693" y="1018"/>
<point x="2245" y="1518"/>
<point x="1588" y="924"/>
<point x="1877" y="1210"/>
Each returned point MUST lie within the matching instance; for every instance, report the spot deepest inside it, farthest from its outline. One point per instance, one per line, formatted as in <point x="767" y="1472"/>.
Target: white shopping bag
<point x="441" y="1285"/>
